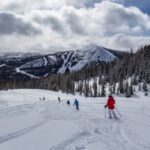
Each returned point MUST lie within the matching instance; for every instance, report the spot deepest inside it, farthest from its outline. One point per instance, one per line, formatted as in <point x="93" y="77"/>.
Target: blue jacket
<point x="76" y="102"/>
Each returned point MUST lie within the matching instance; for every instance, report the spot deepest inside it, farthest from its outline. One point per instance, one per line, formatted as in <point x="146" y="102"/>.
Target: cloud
<point x="125" y="42"/>
<point x="68" y="24"/>
<point x="74" y="20"/>
<point x="142" y="5"/>
<point x="27" y="5"/>
<point x="45" y="4"/>
<point x="117" y="18"/>
<point x="11" y="23"/>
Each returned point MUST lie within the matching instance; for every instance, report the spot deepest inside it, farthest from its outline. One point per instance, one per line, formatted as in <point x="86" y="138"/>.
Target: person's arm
<point x="106" y="104"/>
<point x="114" y="100"/>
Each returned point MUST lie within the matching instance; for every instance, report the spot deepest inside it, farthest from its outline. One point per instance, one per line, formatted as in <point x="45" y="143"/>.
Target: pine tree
<point x="131" y="89"/>
<point x="95" y="88"/>
<point x="145" y="88"/>
<point x="140" y="88"/>
<point x="114" y="88"/>
<point x="91" y="93"/>
<point x="103" y="92"/>
<point x="127" y="89"/>
<point x="99" y="93"/>
<point x="121" y="88"/>
<point x="87" y="89"/>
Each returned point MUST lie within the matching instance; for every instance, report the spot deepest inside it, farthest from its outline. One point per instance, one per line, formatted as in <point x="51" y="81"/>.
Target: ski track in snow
<point x="70" y="141"/>
<point x="25" y="73"/>
<point x="109" y="132"/>
<point x="113" y="134"/>
<point x="45" y="61"/>
<point x="19" y="133"/>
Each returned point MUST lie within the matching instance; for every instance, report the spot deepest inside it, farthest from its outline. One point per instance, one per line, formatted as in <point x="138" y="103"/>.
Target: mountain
<point x="35" y="66"/>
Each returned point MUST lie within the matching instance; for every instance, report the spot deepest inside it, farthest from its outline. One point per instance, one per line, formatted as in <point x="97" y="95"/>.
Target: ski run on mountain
<point x="29" y="122"/>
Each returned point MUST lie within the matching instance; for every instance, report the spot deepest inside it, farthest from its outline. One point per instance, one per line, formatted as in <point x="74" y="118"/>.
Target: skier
<point x="111" y="105"/>
<point x="68" y="102"/>
<point x="59" y="99"/>
<point x="76" y="103"/>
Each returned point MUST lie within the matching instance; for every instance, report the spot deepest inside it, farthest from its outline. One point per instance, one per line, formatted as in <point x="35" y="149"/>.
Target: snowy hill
<point x="60" y="62"/>
<point x="30" y="124"/>
<point x="76" y="60"/>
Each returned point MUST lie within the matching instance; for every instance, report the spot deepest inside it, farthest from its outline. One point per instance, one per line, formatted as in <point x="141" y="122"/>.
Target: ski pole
<point x="118" y="112"/>
<point x="105" y="113"/>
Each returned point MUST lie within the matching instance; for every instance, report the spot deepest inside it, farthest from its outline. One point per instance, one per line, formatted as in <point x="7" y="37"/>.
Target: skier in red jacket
<point x="111" y="105"/>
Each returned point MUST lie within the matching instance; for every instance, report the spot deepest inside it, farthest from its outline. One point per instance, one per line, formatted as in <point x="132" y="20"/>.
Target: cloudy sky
<point x="48" y="25"/>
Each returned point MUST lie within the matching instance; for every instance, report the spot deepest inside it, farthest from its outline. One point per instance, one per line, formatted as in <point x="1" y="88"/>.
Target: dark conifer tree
<point x="103" y="92"/>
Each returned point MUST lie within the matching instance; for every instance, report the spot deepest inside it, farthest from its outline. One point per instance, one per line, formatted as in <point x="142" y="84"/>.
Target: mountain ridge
<point x="39" y="65"/>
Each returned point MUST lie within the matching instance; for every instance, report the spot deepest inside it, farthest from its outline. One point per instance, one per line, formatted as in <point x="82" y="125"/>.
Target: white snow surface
<point x="80" y="57"/>
<point x="35" y="63"/>
<point x="83" y="57"/>
<point x="25" y="73"/>
<point x="27" y="123"/>
<point x="45" y="61"/>
<point x="2" y="65"/>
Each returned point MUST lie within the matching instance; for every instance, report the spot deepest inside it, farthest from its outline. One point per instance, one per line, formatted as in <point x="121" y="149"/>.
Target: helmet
<point x="110" y="95"/>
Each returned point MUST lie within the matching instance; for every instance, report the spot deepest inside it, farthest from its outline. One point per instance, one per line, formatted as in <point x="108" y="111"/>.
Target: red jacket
<point x="110" y="102"/>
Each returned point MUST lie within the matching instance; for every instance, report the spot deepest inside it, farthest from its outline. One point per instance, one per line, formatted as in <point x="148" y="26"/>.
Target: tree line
<point x="121" y="76"/>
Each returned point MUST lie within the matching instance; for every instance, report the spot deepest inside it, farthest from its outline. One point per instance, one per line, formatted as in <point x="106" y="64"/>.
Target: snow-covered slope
<point x="59" y="62"/>
<point x="30" y="124"/>
<point x="72" y="60"/>
<point x="76" y="60"/>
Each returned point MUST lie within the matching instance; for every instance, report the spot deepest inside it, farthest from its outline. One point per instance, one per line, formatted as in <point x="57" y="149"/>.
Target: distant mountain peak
<point x="60" y="62"/>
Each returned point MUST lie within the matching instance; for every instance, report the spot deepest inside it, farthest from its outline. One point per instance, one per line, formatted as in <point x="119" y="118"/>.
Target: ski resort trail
<point x="30" y="124"/>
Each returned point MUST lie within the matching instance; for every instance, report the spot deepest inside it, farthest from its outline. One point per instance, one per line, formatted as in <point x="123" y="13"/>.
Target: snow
<point x="99" y="53"/>
<point x="45" y="61"/>
<point x="51" y="57"/>
<point x="30" y="124"/>
<point x="81" y="63"/>
<point x="25" y="73"/>
<point x="2" y="65"/>
<point x="40" y="62"/>
<point x="63" y="67"/>
<point x="18" y="55"/>
<point x="83" y="57"/>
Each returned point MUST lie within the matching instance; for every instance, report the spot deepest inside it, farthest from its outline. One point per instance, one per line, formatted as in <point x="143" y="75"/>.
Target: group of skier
<point x="42" y="98"/>
<point x="76" y="103"/>
<point x="110" y="105"/>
